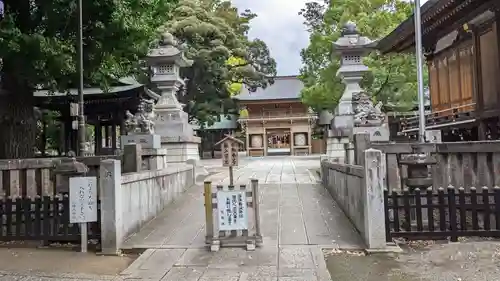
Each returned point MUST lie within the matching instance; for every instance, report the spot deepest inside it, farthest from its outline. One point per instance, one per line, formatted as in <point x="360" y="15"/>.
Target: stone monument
<point x="171" y="123"/>
<point x="355" y="112"/>
<point x="140" y="127"/>
<point x="140" y="130"/>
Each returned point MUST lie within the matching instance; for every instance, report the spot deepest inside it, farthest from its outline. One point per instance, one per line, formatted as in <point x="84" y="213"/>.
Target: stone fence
<point x="359" y="191"/>
<point x="131" y="200"/>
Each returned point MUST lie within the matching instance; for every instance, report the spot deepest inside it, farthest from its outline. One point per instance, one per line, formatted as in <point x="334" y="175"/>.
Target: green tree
<point x="393" y="77"/>
<point x="38" y="49"/>
<point x="216" y="38"/>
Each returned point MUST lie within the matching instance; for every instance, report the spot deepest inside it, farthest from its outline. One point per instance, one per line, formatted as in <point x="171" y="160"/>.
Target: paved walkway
<point x="298" y="219"/>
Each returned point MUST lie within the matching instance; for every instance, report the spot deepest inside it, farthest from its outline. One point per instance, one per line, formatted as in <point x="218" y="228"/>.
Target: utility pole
<point x="420" y="75"/>
<point x="81" y="114"/>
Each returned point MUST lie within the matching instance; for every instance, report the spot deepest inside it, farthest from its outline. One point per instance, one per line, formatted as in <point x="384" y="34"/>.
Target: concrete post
<point x="375" y="182"/>
<point x="361" y="143"/>
<point x="111" y="207"/>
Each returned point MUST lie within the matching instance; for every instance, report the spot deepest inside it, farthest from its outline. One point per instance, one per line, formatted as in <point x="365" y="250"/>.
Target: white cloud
<point x="279" y="25"/>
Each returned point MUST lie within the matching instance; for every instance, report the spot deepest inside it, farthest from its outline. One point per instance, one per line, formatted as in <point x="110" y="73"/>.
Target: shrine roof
<point x="439" y="17"/>
<point x="284" y="88"/>
<point x="87" y="91"/>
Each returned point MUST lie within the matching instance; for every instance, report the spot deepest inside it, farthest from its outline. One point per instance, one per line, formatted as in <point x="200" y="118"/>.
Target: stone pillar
<point x="374" y="215"/>
<point x="132" y="158"/>
<point x="110" y="195"/>
<point x="172" y="124"/>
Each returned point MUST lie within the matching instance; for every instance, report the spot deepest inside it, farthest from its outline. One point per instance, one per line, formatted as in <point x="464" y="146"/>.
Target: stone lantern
<point x="171" y="123"/>
<point x="355" y="112"/>
<point x="352" y="48"/>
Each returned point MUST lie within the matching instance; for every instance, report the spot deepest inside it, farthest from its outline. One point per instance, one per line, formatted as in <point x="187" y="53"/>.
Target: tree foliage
<point x="215" y="34"/>
<point x="38" y="42"/>
<point x="393" y="78"/>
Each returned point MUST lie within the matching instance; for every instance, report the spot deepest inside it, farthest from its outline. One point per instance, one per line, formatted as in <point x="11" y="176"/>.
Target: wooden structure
<point x="104" y="111"/>
<point x="461" y="45"/>
<point x="211" y="134"/>
<point x="230" y="147"/>
<point x="277" y="121"/>
<point x="229" y="221"/>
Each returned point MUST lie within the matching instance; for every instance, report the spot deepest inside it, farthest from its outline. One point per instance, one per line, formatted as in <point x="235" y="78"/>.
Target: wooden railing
<point x="438" y="119"/>
<point x="36" y="177"/>
<point x="459" y="164"/>
<point x="279" y="114"/>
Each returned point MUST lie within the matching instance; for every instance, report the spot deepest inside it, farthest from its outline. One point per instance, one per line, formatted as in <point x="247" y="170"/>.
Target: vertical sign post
<point x="83" y="204"/>
<point x="230" y="147"/>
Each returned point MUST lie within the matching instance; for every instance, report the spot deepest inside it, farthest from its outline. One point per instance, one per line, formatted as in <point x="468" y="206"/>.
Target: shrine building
<point x="461" y="43"/>
<point x="276" y="123"/>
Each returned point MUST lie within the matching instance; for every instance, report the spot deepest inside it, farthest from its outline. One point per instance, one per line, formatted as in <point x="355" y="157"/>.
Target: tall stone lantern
<point x="355" y="109"/>
<point x="171" y="123"/>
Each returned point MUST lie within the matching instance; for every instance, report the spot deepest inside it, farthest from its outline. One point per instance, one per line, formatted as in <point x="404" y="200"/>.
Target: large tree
<point x="393" y="77"/>
<point x="38" y="49"/>
<point x="215" y="34"/>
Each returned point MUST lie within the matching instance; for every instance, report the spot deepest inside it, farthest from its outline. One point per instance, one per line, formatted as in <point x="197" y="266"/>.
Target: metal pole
<point x="420" y="75"/>
<point x="81" y="115"/>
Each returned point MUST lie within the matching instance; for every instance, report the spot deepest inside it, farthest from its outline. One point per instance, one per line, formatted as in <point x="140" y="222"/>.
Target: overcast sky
<point x="280" y="26"/>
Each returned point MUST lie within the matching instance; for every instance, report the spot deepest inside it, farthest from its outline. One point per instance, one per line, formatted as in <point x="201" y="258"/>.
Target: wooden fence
<point x="35" y="177"/>
<point x="442" y="213"/>
<point x="460" y="164"/>
<point x="42" y="219"/>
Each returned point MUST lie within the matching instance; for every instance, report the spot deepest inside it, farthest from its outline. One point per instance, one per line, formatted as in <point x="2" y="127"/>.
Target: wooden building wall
<point x="452" y="74"/>
<point x="451" y="77"/>
<point x="489" y="67"/>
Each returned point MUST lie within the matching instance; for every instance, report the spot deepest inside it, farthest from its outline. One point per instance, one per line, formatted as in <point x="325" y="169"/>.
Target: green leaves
<point x="38" y="40"/>
<point x="224" y="58"/>
<point x="393" y="77"/>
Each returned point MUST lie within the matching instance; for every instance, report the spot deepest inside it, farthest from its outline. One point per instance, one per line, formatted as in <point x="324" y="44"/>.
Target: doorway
<point x="278" y="142"/>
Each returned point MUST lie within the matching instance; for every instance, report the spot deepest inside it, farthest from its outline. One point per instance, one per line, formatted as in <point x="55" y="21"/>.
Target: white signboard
<point x="83" y="199"/>
<point x="232" y="210"/>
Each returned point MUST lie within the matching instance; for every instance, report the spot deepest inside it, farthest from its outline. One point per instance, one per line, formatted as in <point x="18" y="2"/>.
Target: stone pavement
<point x="298" y="219"/>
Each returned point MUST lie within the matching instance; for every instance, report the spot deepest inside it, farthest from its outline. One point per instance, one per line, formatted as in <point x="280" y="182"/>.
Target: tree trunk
<point x="17" y="125"/>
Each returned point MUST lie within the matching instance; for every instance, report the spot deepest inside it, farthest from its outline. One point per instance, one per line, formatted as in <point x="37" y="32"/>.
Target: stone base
<point x="184" y="149"/>
<point x="154" y="159"/>
<point x="336" y="148"/>
<point x="181" y="152"/>
<point x="145" y="140"/>
<point x="378" y="133"/>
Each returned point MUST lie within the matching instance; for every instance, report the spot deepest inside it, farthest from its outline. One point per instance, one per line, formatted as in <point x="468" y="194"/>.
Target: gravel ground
<point x="466" y="261"/>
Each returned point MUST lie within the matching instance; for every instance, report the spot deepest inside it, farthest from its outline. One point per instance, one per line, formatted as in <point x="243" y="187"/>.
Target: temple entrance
<point x="278" y="142"/>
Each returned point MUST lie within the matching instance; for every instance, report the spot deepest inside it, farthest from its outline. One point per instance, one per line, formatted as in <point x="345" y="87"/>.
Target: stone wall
<point x="359" y="191"/>
<point x="146" y="194"/>
<point x="345" y="183"/>
<point x="131" y="200"/>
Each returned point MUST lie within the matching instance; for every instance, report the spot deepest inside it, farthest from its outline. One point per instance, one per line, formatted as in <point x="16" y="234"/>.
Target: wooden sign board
<point x="83" y="199"/>
<point x="229" y="147"/>
<point x="232" y="213"/>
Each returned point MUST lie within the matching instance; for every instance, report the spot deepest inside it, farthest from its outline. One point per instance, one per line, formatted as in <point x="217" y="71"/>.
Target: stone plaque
<point x="145" y="140"/>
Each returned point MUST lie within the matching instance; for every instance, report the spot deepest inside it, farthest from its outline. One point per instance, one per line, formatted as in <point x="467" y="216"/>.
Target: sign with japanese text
<point x="83" y="199"/>
<point x="232" y="210"/>
<point x="229" y="154"/>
